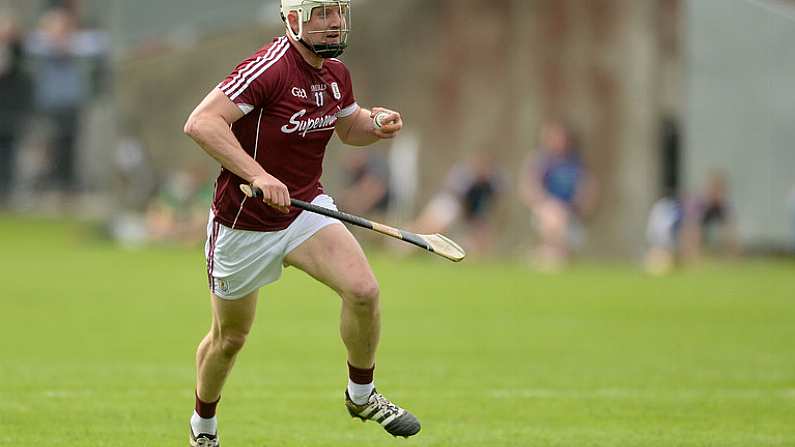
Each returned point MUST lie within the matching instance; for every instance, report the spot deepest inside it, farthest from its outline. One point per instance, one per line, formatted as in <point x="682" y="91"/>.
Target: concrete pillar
<point x="631" y="187"/>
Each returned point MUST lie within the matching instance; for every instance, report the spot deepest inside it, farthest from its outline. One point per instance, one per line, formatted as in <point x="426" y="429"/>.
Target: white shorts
<point x="240" y="261"/>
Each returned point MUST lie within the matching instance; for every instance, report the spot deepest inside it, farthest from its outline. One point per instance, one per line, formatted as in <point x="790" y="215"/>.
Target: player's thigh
<point x="234" y="317"/>
<point x="335" y="258"/>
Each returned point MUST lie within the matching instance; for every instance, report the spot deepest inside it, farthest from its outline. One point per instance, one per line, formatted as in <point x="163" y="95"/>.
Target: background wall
<point x="468" y="75"/>
<point x="741" y="108"/>
<point x="484" y="75"/>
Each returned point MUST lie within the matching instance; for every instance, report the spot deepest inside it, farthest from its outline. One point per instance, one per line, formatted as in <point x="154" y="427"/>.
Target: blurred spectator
<point x="662" y="234"/>
<point x="470" y="193"/>
<point x="179" y="212"/>
<point x="63" y="85"/>
<point x="70" y="5"/>
<point x="135" y="184"/>
<point x="403" y="176"/>
<point x="367" y="192"/>
<point x="709" y="221"/>
<point x="134" y="171"/>
<point x="685" y="229"/>
<point x="557" y="187"/>
<point x="15" y="103"/>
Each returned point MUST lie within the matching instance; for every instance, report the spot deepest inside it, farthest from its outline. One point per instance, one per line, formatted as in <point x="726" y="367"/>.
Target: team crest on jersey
<point x="335" y="89"/>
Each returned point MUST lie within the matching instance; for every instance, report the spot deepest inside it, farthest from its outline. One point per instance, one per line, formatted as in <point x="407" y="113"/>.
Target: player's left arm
<point x="359" y="129"/>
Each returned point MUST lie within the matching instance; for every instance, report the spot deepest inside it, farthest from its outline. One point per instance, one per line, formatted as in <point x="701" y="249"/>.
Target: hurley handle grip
<point x="253" y="191"/>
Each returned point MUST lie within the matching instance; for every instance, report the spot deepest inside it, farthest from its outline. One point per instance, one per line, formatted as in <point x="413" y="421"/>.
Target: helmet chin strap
<point x="324" y="51"/>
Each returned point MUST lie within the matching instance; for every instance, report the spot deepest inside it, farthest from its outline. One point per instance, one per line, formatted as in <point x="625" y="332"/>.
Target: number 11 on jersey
<point x="319" y="99"/>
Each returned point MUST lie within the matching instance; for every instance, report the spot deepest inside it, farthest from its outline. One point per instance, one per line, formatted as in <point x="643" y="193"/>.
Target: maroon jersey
<point x="291" y="108"/>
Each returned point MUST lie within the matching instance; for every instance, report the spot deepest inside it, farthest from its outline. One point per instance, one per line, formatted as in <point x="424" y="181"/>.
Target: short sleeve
<point x="259" y="80"/>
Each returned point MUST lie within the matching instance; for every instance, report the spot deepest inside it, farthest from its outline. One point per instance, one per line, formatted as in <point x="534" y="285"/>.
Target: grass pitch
<point x="98" y="344"/>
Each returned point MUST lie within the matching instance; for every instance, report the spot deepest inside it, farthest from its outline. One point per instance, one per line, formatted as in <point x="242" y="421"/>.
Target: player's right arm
<point x="209" y="125"/>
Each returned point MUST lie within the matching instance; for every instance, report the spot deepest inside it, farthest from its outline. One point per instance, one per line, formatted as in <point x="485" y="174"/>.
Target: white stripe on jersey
<point x="253" y="66"/>
<point x="257" y="74"/>
<point x="256" y="146"/>
<point x="245" y="108"/>
<point x="348" y="111"/>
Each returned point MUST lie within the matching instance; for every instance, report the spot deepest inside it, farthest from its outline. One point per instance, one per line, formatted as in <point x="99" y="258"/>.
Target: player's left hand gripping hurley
<point x="434" y="243"/>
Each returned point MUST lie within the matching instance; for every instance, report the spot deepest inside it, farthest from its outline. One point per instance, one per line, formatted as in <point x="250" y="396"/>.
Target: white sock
<point x="360" y="394"/>
<point x="202" y="425"/>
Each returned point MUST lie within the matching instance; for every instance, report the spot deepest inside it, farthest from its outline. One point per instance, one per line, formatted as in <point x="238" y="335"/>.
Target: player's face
<point x="326" y="25"/>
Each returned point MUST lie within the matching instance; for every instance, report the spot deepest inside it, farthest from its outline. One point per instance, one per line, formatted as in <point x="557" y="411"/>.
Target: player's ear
<point x="292" y="21"/>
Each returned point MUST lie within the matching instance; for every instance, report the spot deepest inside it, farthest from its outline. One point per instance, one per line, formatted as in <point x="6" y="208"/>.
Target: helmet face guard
<point x="325" y="11"/>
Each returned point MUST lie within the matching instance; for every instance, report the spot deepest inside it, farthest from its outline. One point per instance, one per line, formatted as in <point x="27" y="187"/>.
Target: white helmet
<point x="304" y="8"/>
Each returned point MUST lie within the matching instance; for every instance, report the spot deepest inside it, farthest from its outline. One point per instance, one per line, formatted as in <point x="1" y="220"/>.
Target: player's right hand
<point x="274" y="192"/>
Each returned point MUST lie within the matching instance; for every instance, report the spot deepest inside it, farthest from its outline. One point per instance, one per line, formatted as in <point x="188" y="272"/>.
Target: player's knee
<point x="231" y="343"/>
<point x="363" y="294"/>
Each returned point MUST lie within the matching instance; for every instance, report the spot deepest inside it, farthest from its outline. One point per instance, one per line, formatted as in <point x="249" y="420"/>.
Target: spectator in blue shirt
<point x="557" y="187"/>
<point x="63" y="57"/>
